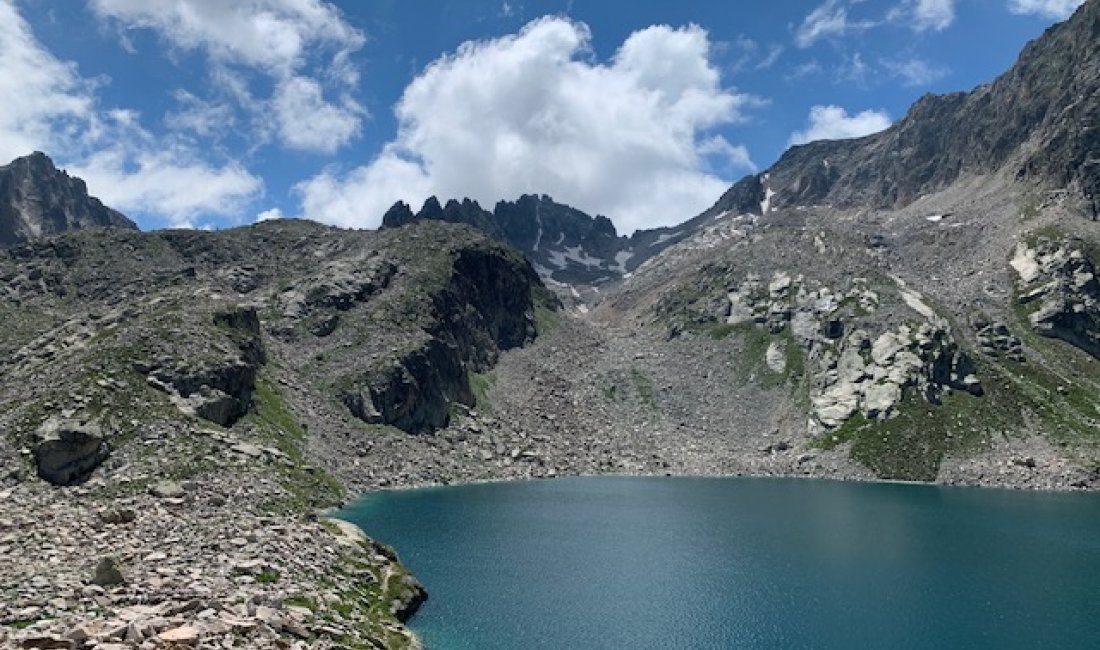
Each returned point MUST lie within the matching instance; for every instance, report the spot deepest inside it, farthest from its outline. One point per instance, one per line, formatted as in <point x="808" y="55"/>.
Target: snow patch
<point x="582" y="308"/>
<point x="576" y="254"/>
<point x="722" y="214"/>
<point x="667" y="236"/>
<point x="766" y="204"/>
<point x="935" y="218"/>
<point x="538" y="236"/>
<point x="621" y="258"/>
<point x="573" y="290"/>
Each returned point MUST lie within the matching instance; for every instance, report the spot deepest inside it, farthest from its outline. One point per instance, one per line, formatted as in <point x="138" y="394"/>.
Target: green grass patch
<point x="480" y="385"/>
<point x="911" y="445"/>
<point x="718" y="331"/>
<point x="307" y="487"/>
<point x="547" y="318"/>
<point x="267" y="577"/>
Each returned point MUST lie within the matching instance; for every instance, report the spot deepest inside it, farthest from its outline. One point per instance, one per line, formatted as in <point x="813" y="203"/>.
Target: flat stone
<point x="184" y="635"/>
<point x="167" y="490"/>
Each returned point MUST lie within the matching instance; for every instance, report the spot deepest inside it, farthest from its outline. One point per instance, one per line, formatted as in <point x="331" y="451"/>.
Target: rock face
<point x="1059" y="288"/>
<point x="218" y="389"/>
<point x="66" y="451"/>
<point x="38" y="200"/>
<point x="563" y="243"/>
<point x="1036" y="120"/>
<point x="485" y="306"/>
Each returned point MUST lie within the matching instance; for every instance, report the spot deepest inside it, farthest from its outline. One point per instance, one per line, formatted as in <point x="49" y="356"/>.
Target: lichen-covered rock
<point x="1058" y="286"/>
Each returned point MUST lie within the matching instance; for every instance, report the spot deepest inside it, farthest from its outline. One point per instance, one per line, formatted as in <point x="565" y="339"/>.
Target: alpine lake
<point x="721" y="563"/>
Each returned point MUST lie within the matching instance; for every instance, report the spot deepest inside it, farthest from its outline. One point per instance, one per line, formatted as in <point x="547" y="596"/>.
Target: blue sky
<point x="204" y="113"/>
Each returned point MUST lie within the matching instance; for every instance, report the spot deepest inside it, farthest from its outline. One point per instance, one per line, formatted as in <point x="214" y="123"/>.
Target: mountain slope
<point x="1036" y="123"/>
<point x="38" y="200"/>
<point x="182" y="403"/>
<point x="925" y="295"/>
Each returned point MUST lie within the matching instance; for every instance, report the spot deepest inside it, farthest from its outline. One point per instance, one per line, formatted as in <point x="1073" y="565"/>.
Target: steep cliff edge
<point x="38" y="200"/>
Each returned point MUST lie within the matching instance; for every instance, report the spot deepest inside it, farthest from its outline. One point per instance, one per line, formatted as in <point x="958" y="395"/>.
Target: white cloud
<point x="924" y="15"/>
<point x="270" y="214"/>
<point x="172" y="184"/>
<point x="915" y="72"/>
<point x="1057" y="9"/>
<point x="273" y="35"/>
<point x="828" y="20"/>
<point x="532" y="112"/>
<point x="203" y="118"/>
<point x="133" y="171"/>
<point x="774" y="52"/>
<point x="46" y="102"/>
<point x="282" y="39"/>
<point x="308" y="122"/>
<point x="935" y="15"/>
<point x="834" y="123"/>
<point x="48" y="106"/>
<point x="736" y="156"/>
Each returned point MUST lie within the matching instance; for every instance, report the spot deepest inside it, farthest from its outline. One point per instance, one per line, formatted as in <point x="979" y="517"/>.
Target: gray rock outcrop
<point x="38" y="200"/>
<point x="66" y="452"/>
<point x="1058" y="287"/>
<point x="218" y="389"/>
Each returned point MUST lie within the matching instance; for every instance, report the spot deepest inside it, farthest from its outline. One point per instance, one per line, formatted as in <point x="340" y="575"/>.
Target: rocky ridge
<point x="151" y="392"/>
<point x="38" y="200"/>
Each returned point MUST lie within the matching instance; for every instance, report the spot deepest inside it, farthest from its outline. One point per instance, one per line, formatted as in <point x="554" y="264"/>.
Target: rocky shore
<point x="130" y="559"/>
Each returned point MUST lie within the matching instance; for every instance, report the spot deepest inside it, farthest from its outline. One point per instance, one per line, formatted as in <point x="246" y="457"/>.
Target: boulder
<point x="66" y="452"/>
<point x="880" y="399"/>
<point x="107" y="573"/>
<point x="167" y="490"/>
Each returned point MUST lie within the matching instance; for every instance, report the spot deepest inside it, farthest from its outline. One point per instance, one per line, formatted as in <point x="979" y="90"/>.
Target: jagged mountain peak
<point x="562" y="242"/>
<point x="38" y="200"/>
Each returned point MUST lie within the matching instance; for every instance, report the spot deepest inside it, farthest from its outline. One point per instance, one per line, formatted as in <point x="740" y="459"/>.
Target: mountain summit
<point x="38" y="200"/>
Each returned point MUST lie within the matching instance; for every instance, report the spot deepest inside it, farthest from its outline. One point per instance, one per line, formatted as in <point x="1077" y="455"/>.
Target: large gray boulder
<point x="66" y="451"/>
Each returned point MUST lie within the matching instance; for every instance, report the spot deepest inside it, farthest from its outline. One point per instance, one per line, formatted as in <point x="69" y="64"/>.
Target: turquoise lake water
<point x="704" y="563"/>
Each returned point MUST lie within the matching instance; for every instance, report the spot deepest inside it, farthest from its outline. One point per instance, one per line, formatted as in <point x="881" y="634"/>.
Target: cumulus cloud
<point x="1057" y="9"/>
<point x="828" y="20"/>
<point x="308" y="122"/>
<point x="834" y="123"/>
<point x="48" y="106"/>
<point x="270" y="214"/>
<point x="134" y="171"/>
<point x="924" y="15"/>
<point x="46" y="102"/>
<point x="198" y="116"/>
<point x="269" y="34"/>
<point x="533" y="112"/>
<point x="282" y="39"/>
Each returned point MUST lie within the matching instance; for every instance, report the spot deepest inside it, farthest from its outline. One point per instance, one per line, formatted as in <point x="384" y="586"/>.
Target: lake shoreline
<point x="540" y="530"/>
<point x="1021" y="486"/>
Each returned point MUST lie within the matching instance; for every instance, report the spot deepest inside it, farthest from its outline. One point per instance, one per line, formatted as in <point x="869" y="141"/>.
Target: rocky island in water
<point x="180" y="410"/>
